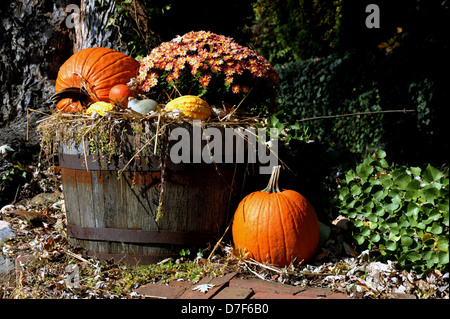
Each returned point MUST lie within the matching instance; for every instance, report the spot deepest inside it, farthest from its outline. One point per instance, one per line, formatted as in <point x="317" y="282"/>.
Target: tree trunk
<point x="36" y="38"/>
<point x="90" y="25"/>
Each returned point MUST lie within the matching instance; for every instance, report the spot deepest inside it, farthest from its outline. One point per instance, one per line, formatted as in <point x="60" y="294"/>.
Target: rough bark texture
<point x="36" y="37"/>
<point x="90" y="27"/>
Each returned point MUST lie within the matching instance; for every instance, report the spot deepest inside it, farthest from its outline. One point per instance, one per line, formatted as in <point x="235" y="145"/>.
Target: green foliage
<point x="356" y="82"/>
<point x="402" y="212"/>
<point x="325" y="87"/>
<point x="292" y="30"/>
<point x="137" y="38"/>
<point x="17" y="171"/>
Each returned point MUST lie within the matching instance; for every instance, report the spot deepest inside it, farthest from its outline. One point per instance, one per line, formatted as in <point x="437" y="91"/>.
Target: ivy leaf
<point x="402" y="180"/>
<point x="446" y="219"/>
<point x="427" y="238"/>
<point x="275" y="123"/>
<point x="403" y="222"/>
<point x="375" y="237"/>
<point x="355" y="189"/>
<point x="365" y="231"/>
<point x="443" y="257"/>
<point x="386" y="180"/>
<point x="378" y="192"/>
<point x="364" y="171"/>
<point x="380" y="154"/>
<point x="415" y="171"/>
<point x="435" y="228"/>
<point x="432" y="259"/>
<point x="413" y="256"/>
<point x="430" y="193"/>
<point x="412" y="189"/>
<point x="350" y="176"/>
<point x="366" y="187"/>
<point x="431" y="174"/>
<point x="391" y="245"/>
<point x="391" y="207"/>
<point x="406" y="241"/>
<point x="412" y="210"/>
<point x="442" y="243"/>
<point x="359" y="239"/>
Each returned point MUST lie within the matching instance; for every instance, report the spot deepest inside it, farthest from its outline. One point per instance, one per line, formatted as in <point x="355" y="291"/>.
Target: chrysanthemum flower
<point x="207" y="64"/>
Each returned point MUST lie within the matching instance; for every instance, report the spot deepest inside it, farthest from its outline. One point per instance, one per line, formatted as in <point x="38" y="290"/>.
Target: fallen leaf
<point x="340" y="222"/>
<point x="203" y="288"/>
<point x="349" y="250"/>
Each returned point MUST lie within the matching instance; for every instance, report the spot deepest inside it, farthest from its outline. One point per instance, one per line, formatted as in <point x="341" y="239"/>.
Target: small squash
<point x="143" y="106"/>
<point x="119" y="95"/>
<point x="99" y="107"/>
<point x="276" y="226"/>
<point x="191" y="107"/>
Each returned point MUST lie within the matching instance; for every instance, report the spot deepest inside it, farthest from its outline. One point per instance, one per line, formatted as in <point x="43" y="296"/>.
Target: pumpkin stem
<point x="272" y="187"/>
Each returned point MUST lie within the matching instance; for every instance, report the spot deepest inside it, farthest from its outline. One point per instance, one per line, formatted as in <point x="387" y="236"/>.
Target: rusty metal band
<point x="139" y="236"/>
<point x="76" y="161"/>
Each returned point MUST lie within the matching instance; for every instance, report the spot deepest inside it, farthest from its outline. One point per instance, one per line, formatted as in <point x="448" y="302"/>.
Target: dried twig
<point x="354" y="114"/>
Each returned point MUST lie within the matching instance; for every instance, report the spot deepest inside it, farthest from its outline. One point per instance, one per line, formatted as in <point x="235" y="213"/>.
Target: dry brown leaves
<point x="47" y="265"/>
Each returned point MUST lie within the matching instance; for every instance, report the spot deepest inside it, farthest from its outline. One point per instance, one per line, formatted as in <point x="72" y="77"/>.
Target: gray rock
<point x="6" y="266"/>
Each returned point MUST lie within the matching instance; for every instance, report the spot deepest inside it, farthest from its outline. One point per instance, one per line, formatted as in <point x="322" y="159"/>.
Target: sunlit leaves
<point x="400" y="211"/>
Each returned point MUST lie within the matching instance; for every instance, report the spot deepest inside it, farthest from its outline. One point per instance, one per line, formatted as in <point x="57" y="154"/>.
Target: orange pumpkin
<point x="119" y="95"/>
<point x="88" y="76"/>
<point x="277" y="227"/>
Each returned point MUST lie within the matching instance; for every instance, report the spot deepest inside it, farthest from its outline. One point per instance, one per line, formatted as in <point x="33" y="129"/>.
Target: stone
<point x="6" y="231"/>
<point x="6" y="266"/>
<point x="45" y="198"/>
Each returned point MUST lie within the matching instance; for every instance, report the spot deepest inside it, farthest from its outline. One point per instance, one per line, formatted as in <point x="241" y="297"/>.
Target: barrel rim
<point x="150" y="164"/>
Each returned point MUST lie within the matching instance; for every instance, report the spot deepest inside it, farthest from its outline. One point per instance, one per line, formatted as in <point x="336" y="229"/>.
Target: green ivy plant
<point x="314" y="88"/>
<point x="401" y="212"/>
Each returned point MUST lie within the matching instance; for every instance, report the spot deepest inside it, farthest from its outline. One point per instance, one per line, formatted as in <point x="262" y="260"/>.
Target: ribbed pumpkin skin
<point x="276" y="227"/>
<point x="101" y="68"/>
<point x="191" y="106"/>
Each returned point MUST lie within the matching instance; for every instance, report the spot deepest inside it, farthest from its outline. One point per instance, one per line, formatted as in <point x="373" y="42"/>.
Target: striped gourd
<point x="191" y="107"/>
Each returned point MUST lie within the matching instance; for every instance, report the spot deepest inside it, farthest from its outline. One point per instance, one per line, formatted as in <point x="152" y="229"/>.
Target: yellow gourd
<point x="191" y="107"/>
<point x="99" y="107"/>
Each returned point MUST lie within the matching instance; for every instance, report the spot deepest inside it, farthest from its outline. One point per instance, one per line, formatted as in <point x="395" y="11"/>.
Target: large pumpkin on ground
<point x="277" y="227"/>
<point x="88" y="75"/>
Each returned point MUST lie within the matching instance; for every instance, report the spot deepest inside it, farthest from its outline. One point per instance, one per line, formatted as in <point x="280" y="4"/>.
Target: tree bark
<point x="90" y="25"/>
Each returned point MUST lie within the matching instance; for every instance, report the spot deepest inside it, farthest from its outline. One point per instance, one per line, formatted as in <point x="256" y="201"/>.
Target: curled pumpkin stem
<point x="272" y="186"/>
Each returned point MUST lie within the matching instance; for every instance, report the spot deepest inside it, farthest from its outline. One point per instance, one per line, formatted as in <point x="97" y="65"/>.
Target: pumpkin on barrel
<point x="89" y="75"/>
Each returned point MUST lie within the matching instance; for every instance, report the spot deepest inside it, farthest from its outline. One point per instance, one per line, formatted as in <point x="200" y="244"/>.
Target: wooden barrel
<point x="118" y="218"/>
